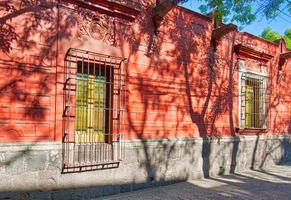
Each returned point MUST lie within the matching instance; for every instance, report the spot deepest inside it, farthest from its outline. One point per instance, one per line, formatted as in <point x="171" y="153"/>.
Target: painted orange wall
<point x="173" y="86"/>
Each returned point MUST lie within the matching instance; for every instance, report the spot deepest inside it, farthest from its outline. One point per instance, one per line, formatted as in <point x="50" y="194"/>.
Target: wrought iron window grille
<point x="93" y="111"/>
<point x="254" y="101"/>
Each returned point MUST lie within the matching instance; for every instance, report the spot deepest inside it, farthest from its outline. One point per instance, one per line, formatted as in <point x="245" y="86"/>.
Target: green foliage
<point x="288" y="33"/>
<point x="287" y="38"/>
<point x="270" y="35"/>
<point x="243" y="11"/>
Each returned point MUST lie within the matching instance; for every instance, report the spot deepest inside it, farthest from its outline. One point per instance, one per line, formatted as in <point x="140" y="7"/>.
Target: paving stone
<point x="268" y="184"/>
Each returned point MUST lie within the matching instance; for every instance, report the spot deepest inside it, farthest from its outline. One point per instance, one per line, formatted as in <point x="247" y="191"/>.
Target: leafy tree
<point x="244" y="11"/>
<point x="287" y="38"/>
<point x="270" y="35"/>
<point x="288" y="33"/>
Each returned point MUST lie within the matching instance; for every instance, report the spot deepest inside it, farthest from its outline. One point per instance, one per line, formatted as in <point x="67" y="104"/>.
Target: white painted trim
<point x="242" y="69"/>
<point x="241" y="66"/>
<point x="264" y="74"/>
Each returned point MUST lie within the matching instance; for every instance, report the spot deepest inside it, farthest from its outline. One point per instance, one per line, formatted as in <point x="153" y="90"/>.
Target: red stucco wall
<point x="174" y="88"/>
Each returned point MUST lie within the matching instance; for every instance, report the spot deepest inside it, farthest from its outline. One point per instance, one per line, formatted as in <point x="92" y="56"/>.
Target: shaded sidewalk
<point x="271" y="183"/>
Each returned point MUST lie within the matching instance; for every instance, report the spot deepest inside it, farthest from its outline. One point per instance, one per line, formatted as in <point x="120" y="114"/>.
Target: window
<point x="93" y="102"/>
<point x="252" y="99"/>
<point x="93" y="107"/>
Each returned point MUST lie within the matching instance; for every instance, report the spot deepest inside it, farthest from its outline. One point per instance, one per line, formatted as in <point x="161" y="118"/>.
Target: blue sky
<point x="279" y="24"/>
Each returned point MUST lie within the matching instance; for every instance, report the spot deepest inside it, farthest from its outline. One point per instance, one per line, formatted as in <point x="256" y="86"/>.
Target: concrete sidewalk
<point x="272" y="183"/>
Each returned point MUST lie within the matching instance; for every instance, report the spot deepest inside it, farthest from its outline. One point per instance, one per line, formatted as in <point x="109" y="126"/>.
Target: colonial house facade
<point x="101" y="96"/>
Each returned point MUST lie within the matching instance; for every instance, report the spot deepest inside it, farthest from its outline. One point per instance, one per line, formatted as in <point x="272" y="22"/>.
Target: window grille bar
<point x="92" y="134"/>
<point x="253" y="100"/>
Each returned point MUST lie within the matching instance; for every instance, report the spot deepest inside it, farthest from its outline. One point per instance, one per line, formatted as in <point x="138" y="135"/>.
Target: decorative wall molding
<point x="96" y="25"/>
<point x="111" y="8"/>
<point x="252" y="53"/>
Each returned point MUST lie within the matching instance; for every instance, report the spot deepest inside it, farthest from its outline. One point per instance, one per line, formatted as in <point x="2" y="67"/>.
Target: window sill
<point x="251" y="131"/>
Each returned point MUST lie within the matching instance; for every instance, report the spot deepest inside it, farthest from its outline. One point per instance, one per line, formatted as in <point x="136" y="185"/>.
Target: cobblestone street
<point x="272" y="183"/>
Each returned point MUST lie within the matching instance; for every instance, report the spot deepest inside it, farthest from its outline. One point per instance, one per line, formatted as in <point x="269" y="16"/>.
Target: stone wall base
<point x="34" y="170"/>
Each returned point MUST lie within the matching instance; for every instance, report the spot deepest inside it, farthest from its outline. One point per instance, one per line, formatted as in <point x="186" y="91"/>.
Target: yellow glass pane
<point x="90" y="108"/>
<point x="248" y="108"/>
<point x="256" y="109"/>
<point x="252" y="98"/>
<point x="81" y="104"/>
<point x="99" y="108"/>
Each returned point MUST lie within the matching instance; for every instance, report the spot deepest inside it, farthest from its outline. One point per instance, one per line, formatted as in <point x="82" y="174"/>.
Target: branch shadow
<point x="194" y="96"/>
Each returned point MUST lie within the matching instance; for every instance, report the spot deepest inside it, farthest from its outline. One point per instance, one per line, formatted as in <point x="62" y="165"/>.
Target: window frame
<point x="242" y="71"/>
<point x="86" y="156"/>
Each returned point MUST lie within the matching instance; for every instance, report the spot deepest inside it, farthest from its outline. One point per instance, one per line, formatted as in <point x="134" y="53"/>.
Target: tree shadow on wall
<point x="28" y="50"/>
<point x="195" y="92"/>
<point x="194" y="70"/>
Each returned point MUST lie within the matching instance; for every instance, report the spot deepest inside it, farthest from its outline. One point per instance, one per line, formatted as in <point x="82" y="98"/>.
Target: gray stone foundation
<point x="34" y="170"/>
